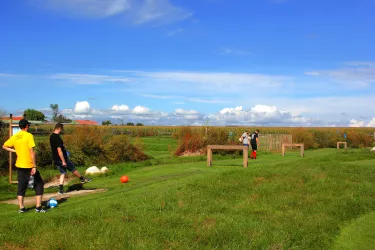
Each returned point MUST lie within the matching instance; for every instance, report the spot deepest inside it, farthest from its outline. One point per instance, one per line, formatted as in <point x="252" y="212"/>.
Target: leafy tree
<point x="129" y="124"/>
<point x="56" y="116"/>
<point x="139" y="124"/>
<point x="106" y="122"/>
<point x="2" y="113"/>
<point x="55" y="111"/>
<point x="62" y="119"/>
<point x="34" y="115"/>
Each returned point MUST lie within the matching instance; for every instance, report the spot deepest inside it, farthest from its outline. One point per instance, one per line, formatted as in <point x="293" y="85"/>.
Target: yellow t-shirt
<point x="22" y="142"/>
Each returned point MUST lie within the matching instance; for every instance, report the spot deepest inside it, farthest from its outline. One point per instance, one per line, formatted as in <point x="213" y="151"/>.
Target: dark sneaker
<point x="61" y="192"/>
<point x="40" y="210"/>
<point x="85" y="180"/>
<point x="22" y="210"/>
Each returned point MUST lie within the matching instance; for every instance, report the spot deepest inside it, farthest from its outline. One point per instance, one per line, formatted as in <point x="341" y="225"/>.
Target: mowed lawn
<point x="325" y="200"/>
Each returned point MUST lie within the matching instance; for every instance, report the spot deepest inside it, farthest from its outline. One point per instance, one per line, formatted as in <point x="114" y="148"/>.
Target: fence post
<point x="209" y="157"/>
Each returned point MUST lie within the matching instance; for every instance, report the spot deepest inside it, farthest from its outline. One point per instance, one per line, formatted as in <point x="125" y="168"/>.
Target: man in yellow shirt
<point x="22" y="143"/>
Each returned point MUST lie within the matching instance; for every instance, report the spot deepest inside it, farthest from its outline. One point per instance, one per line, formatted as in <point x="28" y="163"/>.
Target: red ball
<point x="124" y="179"/>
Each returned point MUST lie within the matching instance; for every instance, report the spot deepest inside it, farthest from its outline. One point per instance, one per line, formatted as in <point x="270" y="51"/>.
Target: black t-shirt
<point x="254" y="137"/>
<point x="56" y="142"/>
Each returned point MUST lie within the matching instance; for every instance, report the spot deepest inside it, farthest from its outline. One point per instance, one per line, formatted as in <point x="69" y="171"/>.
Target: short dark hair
<point x="59" y="125"/>
<point x="23" y="123"/>
<point x="257" y="130"/>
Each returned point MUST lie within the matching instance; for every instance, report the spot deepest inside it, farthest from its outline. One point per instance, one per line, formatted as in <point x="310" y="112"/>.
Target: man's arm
<point x="9" y="149"/>
<point x="61" y="155"/>
<point x="32" y="155"/>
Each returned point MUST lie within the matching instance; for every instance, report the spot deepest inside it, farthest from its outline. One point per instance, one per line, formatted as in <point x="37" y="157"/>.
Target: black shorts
<point x="23" y="176"/>
<point x="254" y="146"/>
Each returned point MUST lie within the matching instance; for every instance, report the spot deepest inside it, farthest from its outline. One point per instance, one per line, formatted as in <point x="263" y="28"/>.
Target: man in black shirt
<point x="254" y="141"/>
<point x="61" y="159"/>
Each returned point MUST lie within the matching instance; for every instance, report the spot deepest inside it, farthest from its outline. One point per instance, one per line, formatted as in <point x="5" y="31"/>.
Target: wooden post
<point x="245" y="157"/>
<point x="342" y="142"/>
<point x="10" y="153"/>
<point x="209" y="157"/>
<point x="301" y="145"/>
<point x="245" y="150"/>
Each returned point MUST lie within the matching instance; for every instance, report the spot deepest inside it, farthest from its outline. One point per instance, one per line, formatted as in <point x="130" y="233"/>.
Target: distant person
<point x="61" y="159"/>
<point x="22" y="143"/>
<point x="245" y="138"/>
<point x="254" y="141"/>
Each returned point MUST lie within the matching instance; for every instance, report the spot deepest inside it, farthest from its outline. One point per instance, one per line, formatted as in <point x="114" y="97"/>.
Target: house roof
<point x="86" y="122"/>
<point x="14" y="118"/>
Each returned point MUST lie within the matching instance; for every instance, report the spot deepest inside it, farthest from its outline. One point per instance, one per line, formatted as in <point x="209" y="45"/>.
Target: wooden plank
<point x="342" y="142"/>
<point x="245" y="154"/>
<point x="228" y="147"/>
<point x="301" y="145"/>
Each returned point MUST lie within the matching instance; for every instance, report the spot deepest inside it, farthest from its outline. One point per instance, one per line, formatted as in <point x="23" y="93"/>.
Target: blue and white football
<point x="51" y="203"/>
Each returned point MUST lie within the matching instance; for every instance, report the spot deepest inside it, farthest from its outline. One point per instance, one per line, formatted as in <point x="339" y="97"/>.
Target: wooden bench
<point x="302" y="150"/>
<point x="342" y="142"/>
<point x="245" y="150"/>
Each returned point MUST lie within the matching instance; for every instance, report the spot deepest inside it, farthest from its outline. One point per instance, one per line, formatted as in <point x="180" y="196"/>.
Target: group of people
<point x="22" y="143"/>
<point x="252" y="140"/>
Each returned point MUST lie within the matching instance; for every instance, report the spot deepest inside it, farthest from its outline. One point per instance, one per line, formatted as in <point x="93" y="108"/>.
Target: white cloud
<point x="362" y="123"/>
<point x="235" y="110"/>
<point x="208" y="81"/>
<point x="120" y="108"/>
<point x="188" y="114"/>
<point x="312" y="73"/>
<point x="135" y="11"/>
<point x="356" y="75"/>
<point x="174" y="32"/>
<point x="356" y="123"/>
<point x="82" y="107"/>
<point x="371" y="123"/>
<point x="260" y="115"/>
<point x="141" y="110"/>
<point x="89" y="79"/>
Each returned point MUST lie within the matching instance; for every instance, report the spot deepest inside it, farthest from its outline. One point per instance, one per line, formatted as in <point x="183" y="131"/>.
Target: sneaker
<point x="40" y="210"/>
<point x="61" y="192"/>
<point x="85" y="180"/>
<point x="22" y="210"/>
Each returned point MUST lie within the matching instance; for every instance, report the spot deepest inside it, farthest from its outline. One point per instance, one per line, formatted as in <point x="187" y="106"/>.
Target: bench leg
<point x="209" y="157"/>
<point x="245" y="158"/>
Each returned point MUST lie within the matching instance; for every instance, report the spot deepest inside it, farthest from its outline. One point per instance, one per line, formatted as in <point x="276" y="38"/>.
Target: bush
<point x="92" y="146"/>
<point x="301" y="135"/>
<point x="359" y="139"/>
<point x="197" y="140"/>
<point x="43" y="154"/>
<point x="118" y="149"/>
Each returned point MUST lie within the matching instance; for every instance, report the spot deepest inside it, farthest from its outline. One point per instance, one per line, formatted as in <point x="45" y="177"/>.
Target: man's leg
<point x="61" y="183"/>
<point x="23" y="176"/>
<point x="20" y="202"/>
<point x="39" y="200"/>
<point x="76" y="173"/>
<point x="72" y="168"/>
<point x="39" y="191"/>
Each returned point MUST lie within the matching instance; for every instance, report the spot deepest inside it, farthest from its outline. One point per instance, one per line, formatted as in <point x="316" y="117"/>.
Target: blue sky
<point x="191" y="62"/>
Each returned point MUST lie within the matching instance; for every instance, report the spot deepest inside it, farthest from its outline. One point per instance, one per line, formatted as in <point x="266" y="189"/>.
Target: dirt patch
<point x="29" y="201"/>
<point x="188" y="153"/>
<point x="54" y="182"/>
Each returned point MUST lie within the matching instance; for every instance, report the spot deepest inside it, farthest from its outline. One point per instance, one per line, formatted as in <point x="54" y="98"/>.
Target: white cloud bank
<point x="362" y="123"/>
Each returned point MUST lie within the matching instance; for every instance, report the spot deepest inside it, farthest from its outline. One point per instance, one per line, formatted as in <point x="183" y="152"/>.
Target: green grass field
<point x="325" y="200"/>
